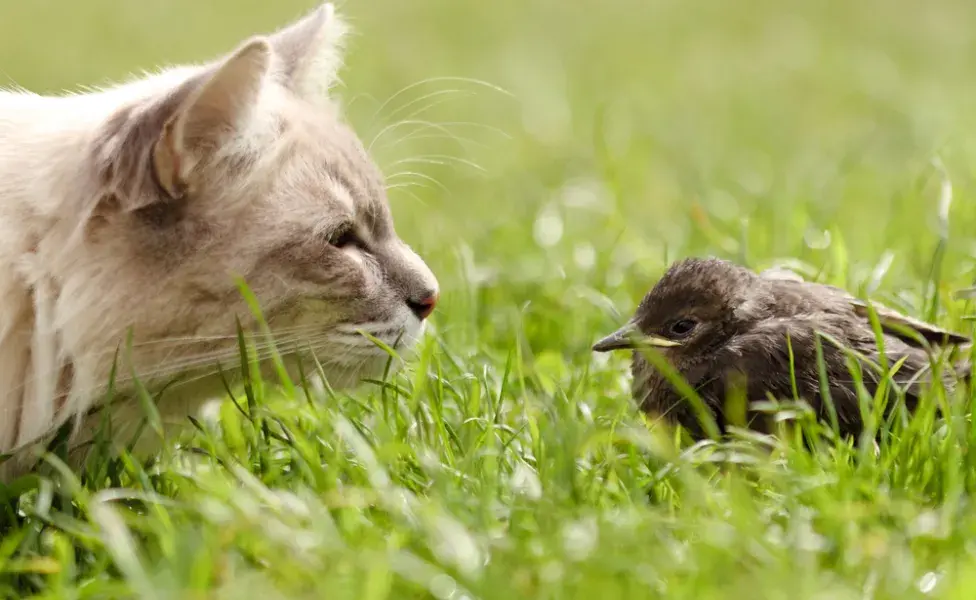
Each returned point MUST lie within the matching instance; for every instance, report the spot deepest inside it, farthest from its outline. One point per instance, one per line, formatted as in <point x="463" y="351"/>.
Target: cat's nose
<point x="423" y="304"/>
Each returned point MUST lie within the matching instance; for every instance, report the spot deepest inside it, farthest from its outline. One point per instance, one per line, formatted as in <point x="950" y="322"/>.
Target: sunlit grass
<point x="549" y="160"/>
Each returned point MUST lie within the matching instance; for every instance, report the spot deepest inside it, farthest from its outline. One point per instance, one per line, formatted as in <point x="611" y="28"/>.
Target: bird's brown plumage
<point x="719" y="324"/>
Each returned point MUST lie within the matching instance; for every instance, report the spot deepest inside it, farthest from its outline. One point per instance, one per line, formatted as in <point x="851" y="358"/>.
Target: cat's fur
<point x="135" y="208"/>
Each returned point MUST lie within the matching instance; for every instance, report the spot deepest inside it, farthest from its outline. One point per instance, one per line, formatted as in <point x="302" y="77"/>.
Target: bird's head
<point x="695" y="307"/>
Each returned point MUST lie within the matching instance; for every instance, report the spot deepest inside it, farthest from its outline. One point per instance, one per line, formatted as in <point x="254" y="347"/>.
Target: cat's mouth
<point x="345" y="353"/>
<point x="351" y="352"/>
<point x="364" y="340"/>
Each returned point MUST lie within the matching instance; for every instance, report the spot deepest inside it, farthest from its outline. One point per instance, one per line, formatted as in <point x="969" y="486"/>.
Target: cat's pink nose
<point x="423" y="306"/>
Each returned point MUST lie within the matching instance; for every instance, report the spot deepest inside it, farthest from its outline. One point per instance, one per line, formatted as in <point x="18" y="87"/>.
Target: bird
<point x="726" y="329"/>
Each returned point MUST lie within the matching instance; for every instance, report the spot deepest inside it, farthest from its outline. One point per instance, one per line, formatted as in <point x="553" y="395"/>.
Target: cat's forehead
<point x="327" y="173"/>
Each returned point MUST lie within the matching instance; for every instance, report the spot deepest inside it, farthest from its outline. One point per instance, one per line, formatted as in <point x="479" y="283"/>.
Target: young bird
<point x="724" y="327"/>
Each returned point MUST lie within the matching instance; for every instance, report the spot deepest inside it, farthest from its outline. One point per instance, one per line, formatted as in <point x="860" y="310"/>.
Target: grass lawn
<point x="549" y="159"/>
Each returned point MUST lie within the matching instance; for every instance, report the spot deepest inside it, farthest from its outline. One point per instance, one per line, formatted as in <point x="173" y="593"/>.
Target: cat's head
<point x="242" y="168"/>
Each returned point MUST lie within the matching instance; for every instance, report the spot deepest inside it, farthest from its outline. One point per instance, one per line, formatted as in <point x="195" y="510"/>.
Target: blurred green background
<point x="629" y="133"/>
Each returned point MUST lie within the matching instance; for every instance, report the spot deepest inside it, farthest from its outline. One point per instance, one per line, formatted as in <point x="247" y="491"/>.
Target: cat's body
<point x="132" y="211"/>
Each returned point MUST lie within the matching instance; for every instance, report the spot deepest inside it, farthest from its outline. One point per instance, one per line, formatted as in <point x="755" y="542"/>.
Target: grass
<point x="607" y="139"/>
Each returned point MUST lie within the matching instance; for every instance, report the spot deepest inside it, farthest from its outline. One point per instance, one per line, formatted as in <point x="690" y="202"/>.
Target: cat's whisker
<point x="421" y="135"/>
<point x="355" y="98"/>
<point x="190" y="339"/>
<point x="354" y="348"/>
<point x="439" y="159"/>
<point x="413" y="184"/>
<point x="262" y="351"/>
<point x="341" y="370"/>
<point x="432" y="99"/>
<point x="405" y="189"/>
<point x="418" y="175"/>
<point x="448" y="78"/>
<point x="406" y="185"/>
<point x="422" y="126"/>
<point x="221" y="338"/>
<point x="417" y="113"/>
<point x="277" y="334"/>
<point x="187" y="363"/>
<point x="341" y="335"/>
<point x="476" y="125"/>
<point x="299" y="329"/>
<point x="372" y="329"/>
<point x="232" y="354"/>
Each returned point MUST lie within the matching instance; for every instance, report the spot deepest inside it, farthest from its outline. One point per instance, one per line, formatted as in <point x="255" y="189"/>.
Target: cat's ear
<point x="216" y="108"/>
<point x="308" y="53"/>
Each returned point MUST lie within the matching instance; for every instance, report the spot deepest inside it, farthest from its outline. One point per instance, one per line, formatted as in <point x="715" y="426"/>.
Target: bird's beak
<point x="630" y="337"/>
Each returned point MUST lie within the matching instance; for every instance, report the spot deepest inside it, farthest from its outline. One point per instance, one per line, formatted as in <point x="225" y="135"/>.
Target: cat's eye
<point x="682" y="327"/>
<point x="344" y="237"/>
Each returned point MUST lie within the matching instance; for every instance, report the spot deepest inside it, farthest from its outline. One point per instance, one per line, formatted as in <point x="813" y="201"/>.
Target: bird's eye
<point x="682" y="327"/>
<point x="345" y="236"/>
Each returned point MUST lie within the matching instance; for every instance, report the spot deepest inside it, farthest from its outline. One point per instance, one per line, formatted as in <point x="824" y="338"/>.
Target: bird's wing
<point x="760" y="361"/>
<point x="762" y="357"/>
<point x="892" y="321"/>
<point x="781" y="273"/>
<point x="896" y="323"/>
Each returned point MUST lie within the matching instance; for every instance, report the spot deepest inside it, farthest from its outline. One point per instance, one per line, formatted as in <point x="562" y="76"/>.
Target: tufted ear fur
<point x="308" y="53"/>
<point x="216" y="109"/>
<point x="177" y="132"/>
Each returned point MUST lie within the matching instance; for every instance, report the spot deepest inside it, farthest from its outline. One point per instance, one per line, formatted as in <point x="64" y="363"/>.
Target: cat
<point x="129" y="216"/>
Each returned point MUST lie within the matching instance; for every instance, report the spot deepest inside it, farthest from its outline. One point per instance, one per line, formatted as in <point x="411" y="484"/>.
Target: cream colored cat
<point x="135" y="208"/>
